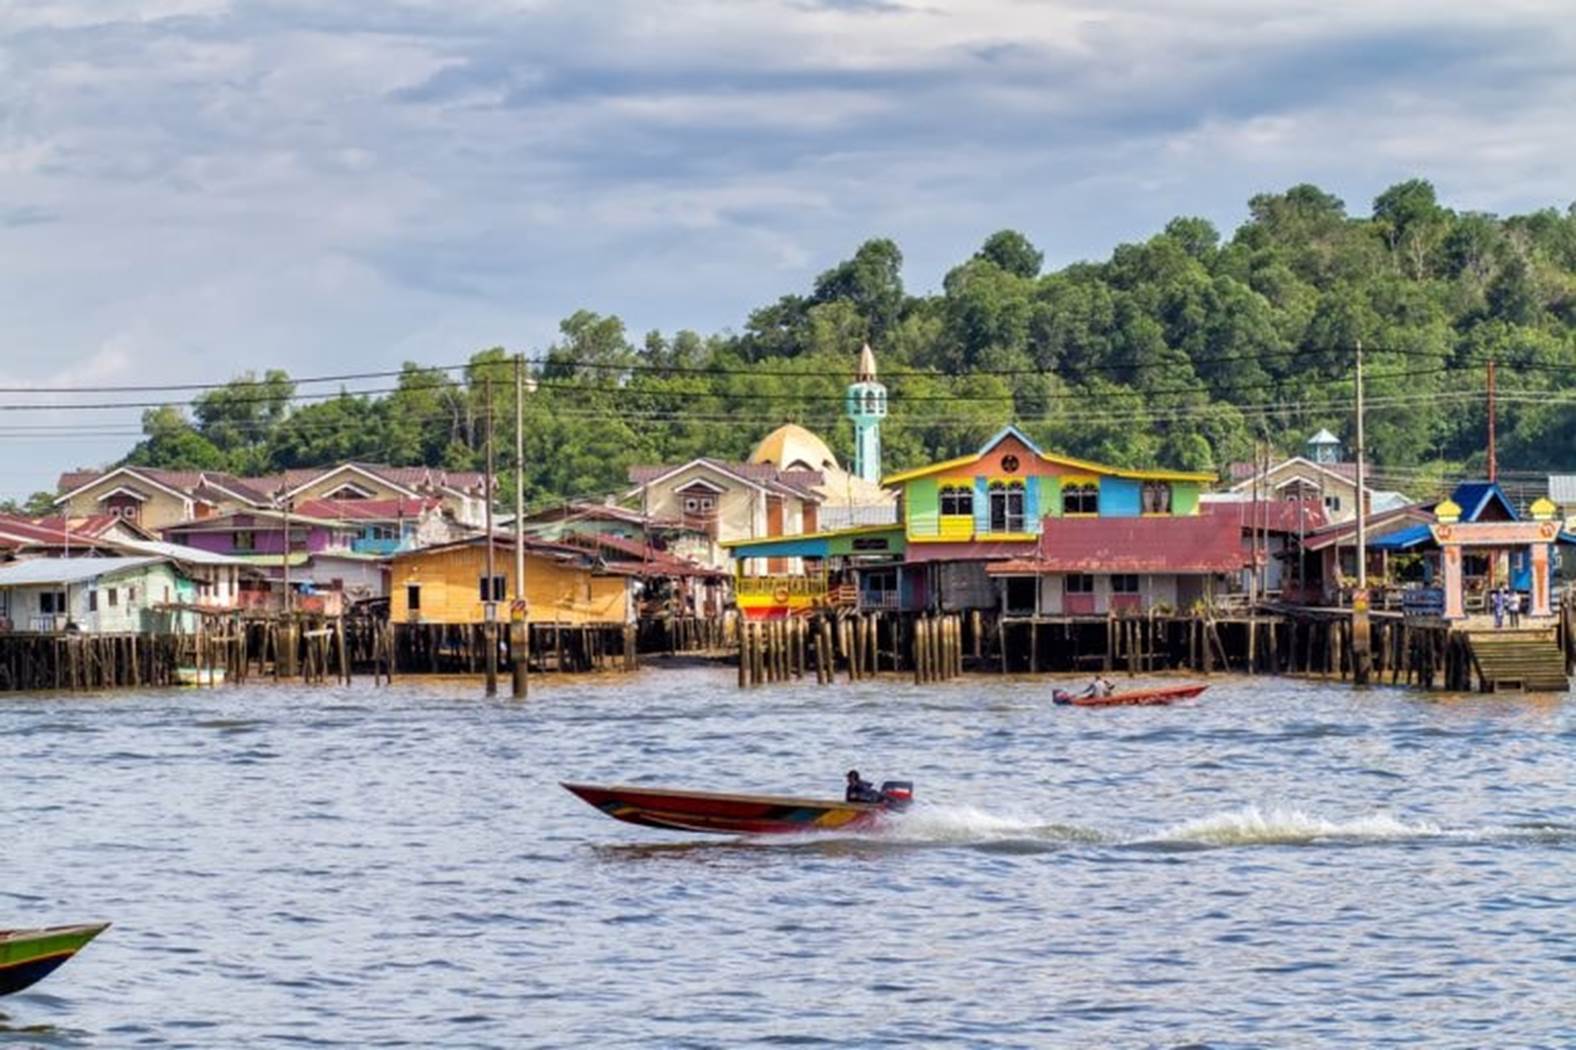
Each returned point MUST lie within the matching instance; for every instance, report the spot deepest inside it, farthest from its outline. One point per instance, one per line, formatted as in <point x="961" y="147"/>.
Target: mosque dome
<point x="792" y="447"/>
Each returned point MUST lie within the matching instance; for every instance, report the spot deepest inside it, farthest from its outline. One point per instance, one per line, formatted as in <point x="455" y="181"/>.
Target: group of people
<point x="1506" y="603"/>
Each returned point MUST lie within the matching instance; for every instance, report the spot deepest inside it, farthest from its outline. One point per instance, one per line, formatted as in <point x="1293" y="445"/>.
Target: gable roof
<point x="1475" y="497"/>
<point x="760" y="476"/>
<point x="1049" y="457"/>
<point x="1345" y="473"/>
<point x="399" y="478"/>
<point x="174" y="483"/>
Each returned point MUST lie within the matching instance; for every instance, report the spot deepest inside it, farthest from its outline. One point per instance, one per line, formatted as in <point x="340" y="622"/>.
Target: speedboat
<point x="1160" y="695"/>
<point x="683" y="810"/>
<point x="28" y="956"/>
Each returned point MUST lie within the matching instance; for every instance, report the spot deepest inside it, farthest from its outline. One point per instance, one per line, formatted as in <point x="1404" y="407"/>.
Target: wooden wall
<point x="450" y="583"/>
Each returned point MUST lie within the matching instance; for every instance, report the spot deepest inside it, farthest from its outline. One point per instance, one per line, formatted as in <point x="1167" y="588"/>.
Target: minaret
<point x="866" y="404"/>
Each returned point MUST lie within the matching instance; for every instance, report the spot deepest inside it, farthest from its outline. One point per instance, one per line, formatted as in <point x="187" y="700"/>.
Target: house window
<point x="413" y="596"/>
<point x="1006" y="506"/>
<point x="131" y="596"/>
<point x="1157" y="497"/>
<point x="243" y="541"/>
<point x="114" y="597"/>
<point x="1081" y="498"/>
<point x="1124" y="583"/>
<point x="1332" y="503"/>
<point x="1009" y="464"/>
<point x="383" y="532"/>
<point x="1078" y="583"/>
<point x="1022" y="594"/>
<point x="93" y="601"/>
<point x="497" y="588"/>
<point x="700" y="504"/>
<point x="957" y="500"/>
<point x="50" y="602"/>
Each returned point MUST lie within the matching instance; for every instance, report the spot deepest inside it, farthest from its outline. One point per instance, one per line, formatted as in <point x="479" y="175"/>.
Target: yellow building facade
<point x="444" y="585"/>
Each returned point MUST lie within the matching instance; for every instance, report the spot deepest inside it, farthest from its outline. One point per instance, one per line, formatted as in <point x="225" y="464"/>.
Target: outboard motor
<point x="897" y="794"/>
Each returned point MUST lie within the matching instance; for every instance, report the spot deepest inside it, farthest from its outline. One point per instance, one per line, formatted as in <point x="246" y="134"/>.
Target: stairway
<point x="1527" y="660"/>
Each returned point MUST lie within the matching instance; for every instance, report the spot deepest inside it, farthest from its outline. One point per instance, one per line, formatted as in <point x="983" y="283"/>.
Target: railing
<point x="881" y="600"/>
<point x="381" y="547"/>
<point x="962" y="529"/>
<point x="46" y="624"/>
<point x="830" y="518"/>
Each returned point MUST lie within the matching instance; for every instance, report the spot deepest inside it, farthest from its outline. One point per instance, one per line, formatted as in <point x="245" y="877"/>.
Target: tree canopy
<point x="1183" y="350"/>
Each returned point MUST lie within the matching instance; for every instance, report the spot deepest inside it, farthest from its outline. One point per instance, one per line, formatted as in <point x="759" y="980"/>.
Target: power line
<point x="639" y="368"/>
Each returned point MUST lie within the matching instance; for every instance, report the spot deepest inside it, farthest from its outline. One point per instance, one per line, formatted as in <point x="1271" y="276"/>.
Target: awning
<point x="1406" y="539"/>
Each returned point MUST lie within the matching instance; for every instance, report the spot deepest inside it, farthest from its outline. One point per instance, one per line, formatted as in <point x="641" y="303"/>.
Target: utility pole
<point x="285" y="559"/>
<point x="489" y="590"/>
<point x="1361" y="653"/>
<point x="519" y="628"/>
<point x="1493" y="464"/>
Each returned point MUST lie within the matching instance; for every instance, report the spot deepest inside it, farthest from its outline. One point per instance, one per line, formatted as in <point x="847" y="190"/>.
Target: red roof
<point x="27" y="533"/>
<point x="1206" y="543"/>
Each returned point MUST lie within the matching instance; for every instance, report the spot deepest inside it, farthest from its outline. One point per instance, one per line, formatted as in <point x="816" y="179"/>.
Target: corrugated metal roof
<point x="1403" y="539"/>
<point x="178" y="552"/>
<point x="1562" y="489"/>
<point x="67" y="570"/>
<point x="1207" y="543"/>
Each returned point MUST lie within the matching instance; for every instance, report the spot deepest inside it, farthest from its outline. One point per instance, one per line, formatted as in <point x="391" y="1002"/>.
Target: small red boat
<point x="682" y="810"/>
<point x="1136" y="697"/>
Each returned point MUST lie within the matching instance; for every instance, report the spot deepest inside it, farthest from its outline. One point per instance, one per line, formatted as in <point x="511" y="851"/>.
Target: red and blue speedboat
<point x="709" y="811"/>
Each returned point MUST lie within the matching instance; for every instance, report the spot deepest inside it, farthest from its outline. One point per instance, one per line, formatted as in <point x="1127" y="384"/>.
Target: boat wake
<point x="1252" y="826"/>
<point x="1247" y="827"/>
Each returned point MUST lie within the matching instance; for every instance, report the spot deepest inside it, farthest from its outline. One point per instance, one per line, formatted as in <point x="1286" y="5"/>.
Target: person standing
<point x="1497" y="602"/>
<point x="1515" y="609"/>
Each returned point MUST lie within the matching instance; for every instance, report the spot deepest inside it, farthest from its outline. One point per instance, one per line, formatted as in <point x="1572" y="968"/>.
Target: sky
<point x="192" y="188"/>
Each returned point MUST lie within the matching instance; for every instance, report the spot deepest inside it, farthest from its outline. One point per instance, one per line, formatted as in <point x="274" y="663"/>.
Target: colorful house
<point x="321" y="554"/>
<point x="117" y="595"/>
<point x="1014" y="512"/>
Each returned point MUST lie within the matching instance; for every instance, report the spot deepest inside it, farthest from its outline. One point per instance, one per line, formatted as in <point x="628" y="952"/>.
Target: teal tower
<point x="867" y="406"/>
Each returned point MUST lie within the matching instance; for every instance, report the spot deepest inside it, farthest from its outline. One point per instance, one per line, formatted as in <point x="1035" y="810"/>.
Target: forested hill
<point x="1180" y="351"/>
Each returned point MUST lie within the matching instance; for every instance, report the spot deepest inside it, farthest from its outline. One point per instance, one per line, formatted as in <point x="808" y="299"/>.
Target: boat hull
<point x="28" y="956"/>
<point x="1140" y="697"/>
<point x="705" y="811"/>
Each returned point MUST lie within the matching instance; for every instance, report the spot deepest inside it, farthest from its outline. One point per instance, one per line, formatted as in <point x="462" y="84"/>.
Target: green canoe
<point x="28" y="956"/>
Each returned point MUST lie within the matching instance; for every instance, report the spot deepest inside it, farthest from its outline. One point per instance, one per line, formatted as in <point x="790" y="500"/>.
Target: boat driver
<point x="1099" y="686"/>
<point x="860" y="789"/>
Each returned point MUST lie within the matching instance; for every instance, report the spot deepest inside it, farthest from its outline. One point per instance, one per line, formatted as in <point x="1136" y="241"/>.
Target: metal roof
<point x="67" y="570"/>
<point x="178" y="552"/>
<point x="1562" y="489"/>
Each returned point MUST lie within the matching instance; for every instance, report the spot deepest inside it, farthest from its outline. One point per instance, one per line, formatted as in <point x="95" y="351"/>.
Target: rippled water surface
<point x="1283" y="863"/>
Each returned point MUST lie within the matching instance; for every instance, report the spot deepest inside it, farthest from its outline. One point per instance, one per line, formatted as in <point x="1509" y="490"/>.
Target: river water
<point x="1281" y="864"/>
